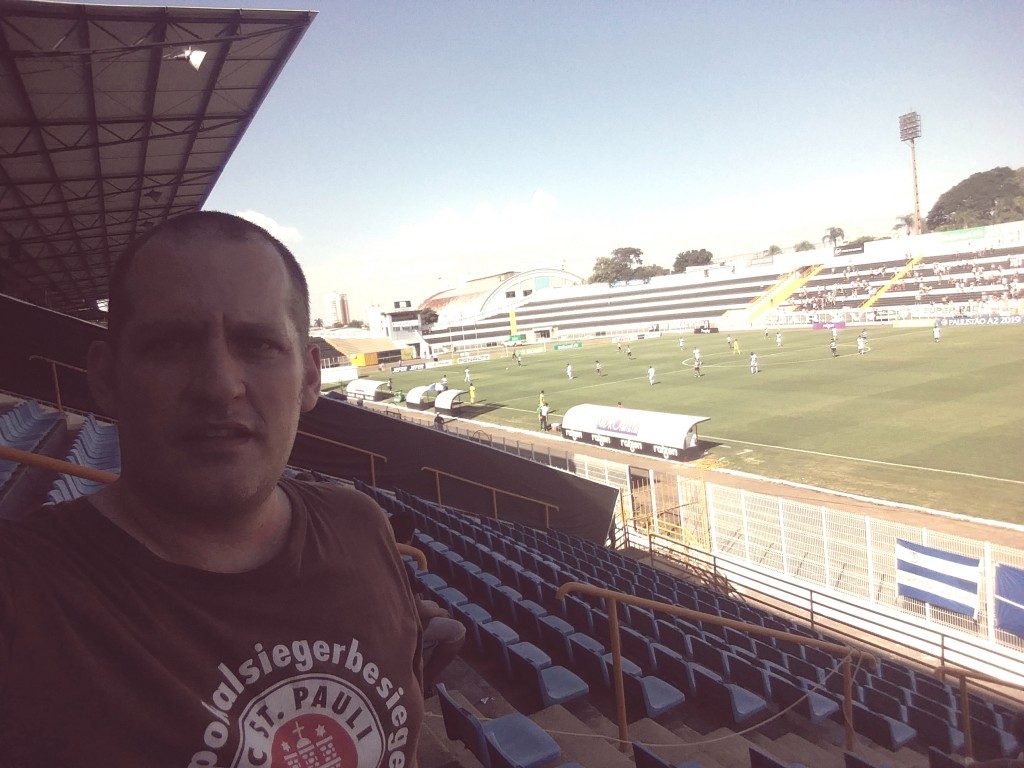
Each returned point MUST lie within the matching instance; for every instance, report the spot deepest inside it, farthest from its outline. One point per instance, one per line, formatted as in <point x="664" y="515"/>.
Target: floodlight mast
<point x="910" y="129"/>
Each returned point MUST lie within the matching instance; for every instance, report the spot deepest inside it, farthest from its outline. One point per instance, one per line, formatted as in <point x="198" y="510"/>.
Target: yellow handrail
<point x="56" y="465"/>
<point x="53" y="371"/>
<point x="962" y="675"/>
<point x="373" y="456"/>
<point x="613" y="598"/>
<point x="417" y="554"/>
<point x="494" y="493"/>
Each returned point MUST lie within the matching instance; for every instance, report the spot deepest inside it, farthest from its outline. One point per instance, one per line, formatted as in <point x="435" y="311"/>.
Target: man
<point x="541" y="400"/>
<point x="568" y="370"/>
<point x="728" y="342"/>
<point x="696" y="363"/>
<point x="629" y="352"/>
<point x="650" y="375"/>
<point x="597" y="367"/>
<point x="936" y="333"/>
<point x="443" y="636"/>
<point x="542" y="416"/>
<point x="862" y="344"/>
<point x="202" y="610"/>
<point x="472" y="394"/>
<point x="753" y="363"/>
<point x="832" y="346"/>
<point x="735" y="346"/>
<point x="443" y="383"/>
<point x="778" y="338"/>
<point x="682" y="342"/>
<point x="467" y="377"/>
<point x="835" y="334"/>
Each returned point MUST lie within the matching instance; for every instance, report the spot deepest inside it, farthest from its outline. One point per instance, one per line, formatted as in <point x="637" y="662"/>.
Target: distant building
<point x="336" y="309"/>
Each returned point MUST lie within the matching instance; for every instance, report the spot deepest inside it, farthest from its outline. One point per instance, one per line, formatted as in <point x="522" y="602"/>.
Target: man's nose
<point x="218" y="374"/>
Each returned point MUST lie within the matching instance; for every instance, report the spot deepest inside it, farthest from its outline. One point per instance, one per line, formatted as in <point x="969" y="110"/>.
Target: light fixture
<point x="193" y="56"/>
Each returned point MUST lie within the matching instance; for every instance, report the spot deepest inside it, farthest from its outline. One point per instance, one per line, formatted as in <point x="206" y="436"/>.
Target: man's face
<point x="210" y="373"/>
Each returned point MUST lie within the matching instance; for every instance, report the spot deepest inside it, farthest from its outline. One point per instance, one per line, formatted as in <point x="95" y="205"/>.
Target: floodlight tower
<point x="910" y="129"/>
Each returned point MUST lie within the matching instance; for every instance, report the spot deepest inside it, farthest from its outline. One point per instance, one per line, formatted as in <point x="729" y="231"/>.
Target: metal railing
<point x="613" y="598"/>
<point x="54" y="364"/>
<point x="897" y="635"/>
<point x="439" y="473"/>
<point x="962" y="676"/>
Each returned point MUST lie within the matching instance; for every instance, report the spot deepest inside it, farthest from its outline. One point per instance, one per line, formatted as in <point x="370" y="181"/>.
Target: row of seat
<point x="917" y="704"/>
<point x="96" y="446"/>
<point x="742" y="675"/>
<point x="24" y="427"/>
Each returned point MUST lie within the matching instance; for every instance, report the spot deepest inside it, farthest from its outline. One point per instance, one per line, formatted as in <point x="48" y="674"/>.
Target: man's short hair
<point x="404" y="525"/>
<point x="231" y="226"/>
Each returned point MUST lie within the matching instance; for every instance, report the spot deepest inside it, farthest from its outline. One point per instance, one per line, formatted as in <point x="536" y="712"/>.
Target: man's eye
<point x="257" y="345"/>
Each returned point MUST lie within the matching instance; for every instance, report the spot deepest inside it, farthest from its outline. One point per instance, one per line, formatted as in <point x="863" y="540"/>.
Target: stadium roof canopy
<point x="112" y="120"/>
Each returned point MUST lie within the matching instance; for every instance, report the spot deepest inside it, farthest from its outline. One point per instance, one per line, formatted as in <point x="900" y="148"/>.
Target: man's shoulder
<point x="338" y="503"/>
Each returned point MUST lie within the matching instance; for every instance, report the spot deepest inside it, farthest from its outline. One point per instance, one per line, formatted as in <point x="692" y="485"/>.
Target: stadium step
<point x="668" y="743"/>
<point x="578" y="741"/>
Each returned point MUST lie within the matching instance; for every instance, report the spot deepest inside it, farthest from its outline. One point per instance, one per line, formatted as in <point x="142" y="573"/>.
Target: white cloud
<point x="290" y="236"/>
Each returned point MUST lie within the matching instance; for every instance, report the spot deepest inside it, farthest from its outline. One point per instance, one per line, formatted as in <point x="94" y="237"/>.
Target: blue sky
<point x="409" y="146"/>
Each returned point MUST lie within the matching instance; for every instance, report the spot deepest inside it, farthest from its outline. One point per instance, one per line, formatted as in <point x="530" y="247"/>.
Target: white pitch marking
<point x="871" y="461"/>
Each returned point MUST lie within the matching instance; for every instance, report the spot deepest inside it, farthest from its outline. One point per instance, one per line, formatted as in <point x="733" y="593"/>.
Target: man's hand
<point x="428" y="609"/>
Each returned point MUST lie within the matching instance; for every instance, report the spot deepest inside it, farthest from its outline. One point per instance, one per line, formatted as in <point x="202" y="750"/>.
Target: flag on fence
<point x="1010" y="599"/>
<point x="941" y="578"/>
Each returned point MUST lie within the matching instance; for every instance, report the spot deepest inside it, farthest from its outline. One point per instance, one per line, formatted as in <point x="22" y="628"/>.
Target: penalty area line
<point x="870" y="461"/>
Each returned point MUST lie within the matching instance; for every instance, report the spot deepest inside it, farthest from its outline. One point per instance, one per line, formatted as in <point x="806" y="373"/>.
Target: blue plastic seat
<point x="550" y="684"/>
<point x="936" y="759"/>
<point x="853" y="761"/>
<point x="814" y="706"/>
<point x="647" y="759"/>
<point x="730" y="699"/>
<point x="495" y="639"/>
<point x="650" y="696"/>
<point x="884" y="731"/>
<point x="518" y="740"/>
<point x="935" y="731"/>
<point x="992" y="742"/>
<point x="761" y="759"/>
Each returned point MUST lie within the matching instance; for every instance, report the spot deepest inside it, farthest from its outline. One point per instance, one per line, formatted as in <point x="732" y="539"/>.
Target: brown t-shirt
<point x="111" y="656"/>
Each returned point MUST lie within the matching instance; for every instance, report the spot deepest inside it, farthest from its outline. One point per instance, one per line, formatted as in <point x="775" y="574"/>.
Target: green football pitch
<point x="938" y="425"/>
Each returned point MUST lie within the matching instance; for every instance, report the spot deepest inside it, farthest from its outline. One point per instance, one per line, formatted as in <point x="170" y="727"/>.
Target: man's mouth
<point x="221" y="432"/>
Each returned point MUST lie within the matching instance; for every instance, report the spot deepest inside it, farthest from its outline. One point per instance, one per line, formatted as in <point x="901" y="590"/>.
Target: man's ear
<point x="310" y="378"/>
<point x="101" y="377"/>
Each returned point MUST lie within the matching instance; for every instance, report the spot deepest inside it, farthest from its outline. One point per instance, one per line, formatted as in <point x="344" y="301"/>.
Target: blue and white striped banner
<point x="937" y="577"/>
<point x="1010" y="599"/>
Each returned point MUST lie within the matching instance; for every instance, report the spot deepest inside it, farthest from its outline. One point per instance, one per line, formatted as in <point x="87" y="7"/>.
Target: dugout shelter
<point x="367" y="389"/>
<point x="449" y="400"/>
<point x="652" y="433"/>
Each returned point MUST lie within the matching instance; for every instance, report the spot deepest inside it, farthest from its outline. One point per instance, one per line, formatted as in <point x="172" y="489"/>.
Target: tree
<point x="904" y="223"/>
<point x="773" y="250"/>
<point x="428" y="317"/>
<point x="692" y="259"/>
<point x="804" y="245"/>
<point x="861" y="240"/>
<point x="648" y="271"/>
<point x="989" y="197"/>
<point x="833" y="235"/>
<point x="621" y="265"/>
<point x="318" y="323"/>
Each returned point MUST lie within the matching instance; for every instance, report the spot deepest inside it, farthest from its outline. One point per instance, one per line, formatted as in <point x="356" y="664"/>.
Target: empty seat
<point x="852" y="761"/>
<point x="737" y="703"/>
<point x="495" y="637"/>
<point x="647" y="759"/>
<point x="885" y="731"/>
<point x="814" y="706"/>
<point x="650" y="696"/>
<point x="936" y="759"/>
<point x="991" y="742"/>
<point x="935" y="731"/>
<point x="519" y="740"/>
<point x="761" y="759"/>
<point x="550" y="684"/>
